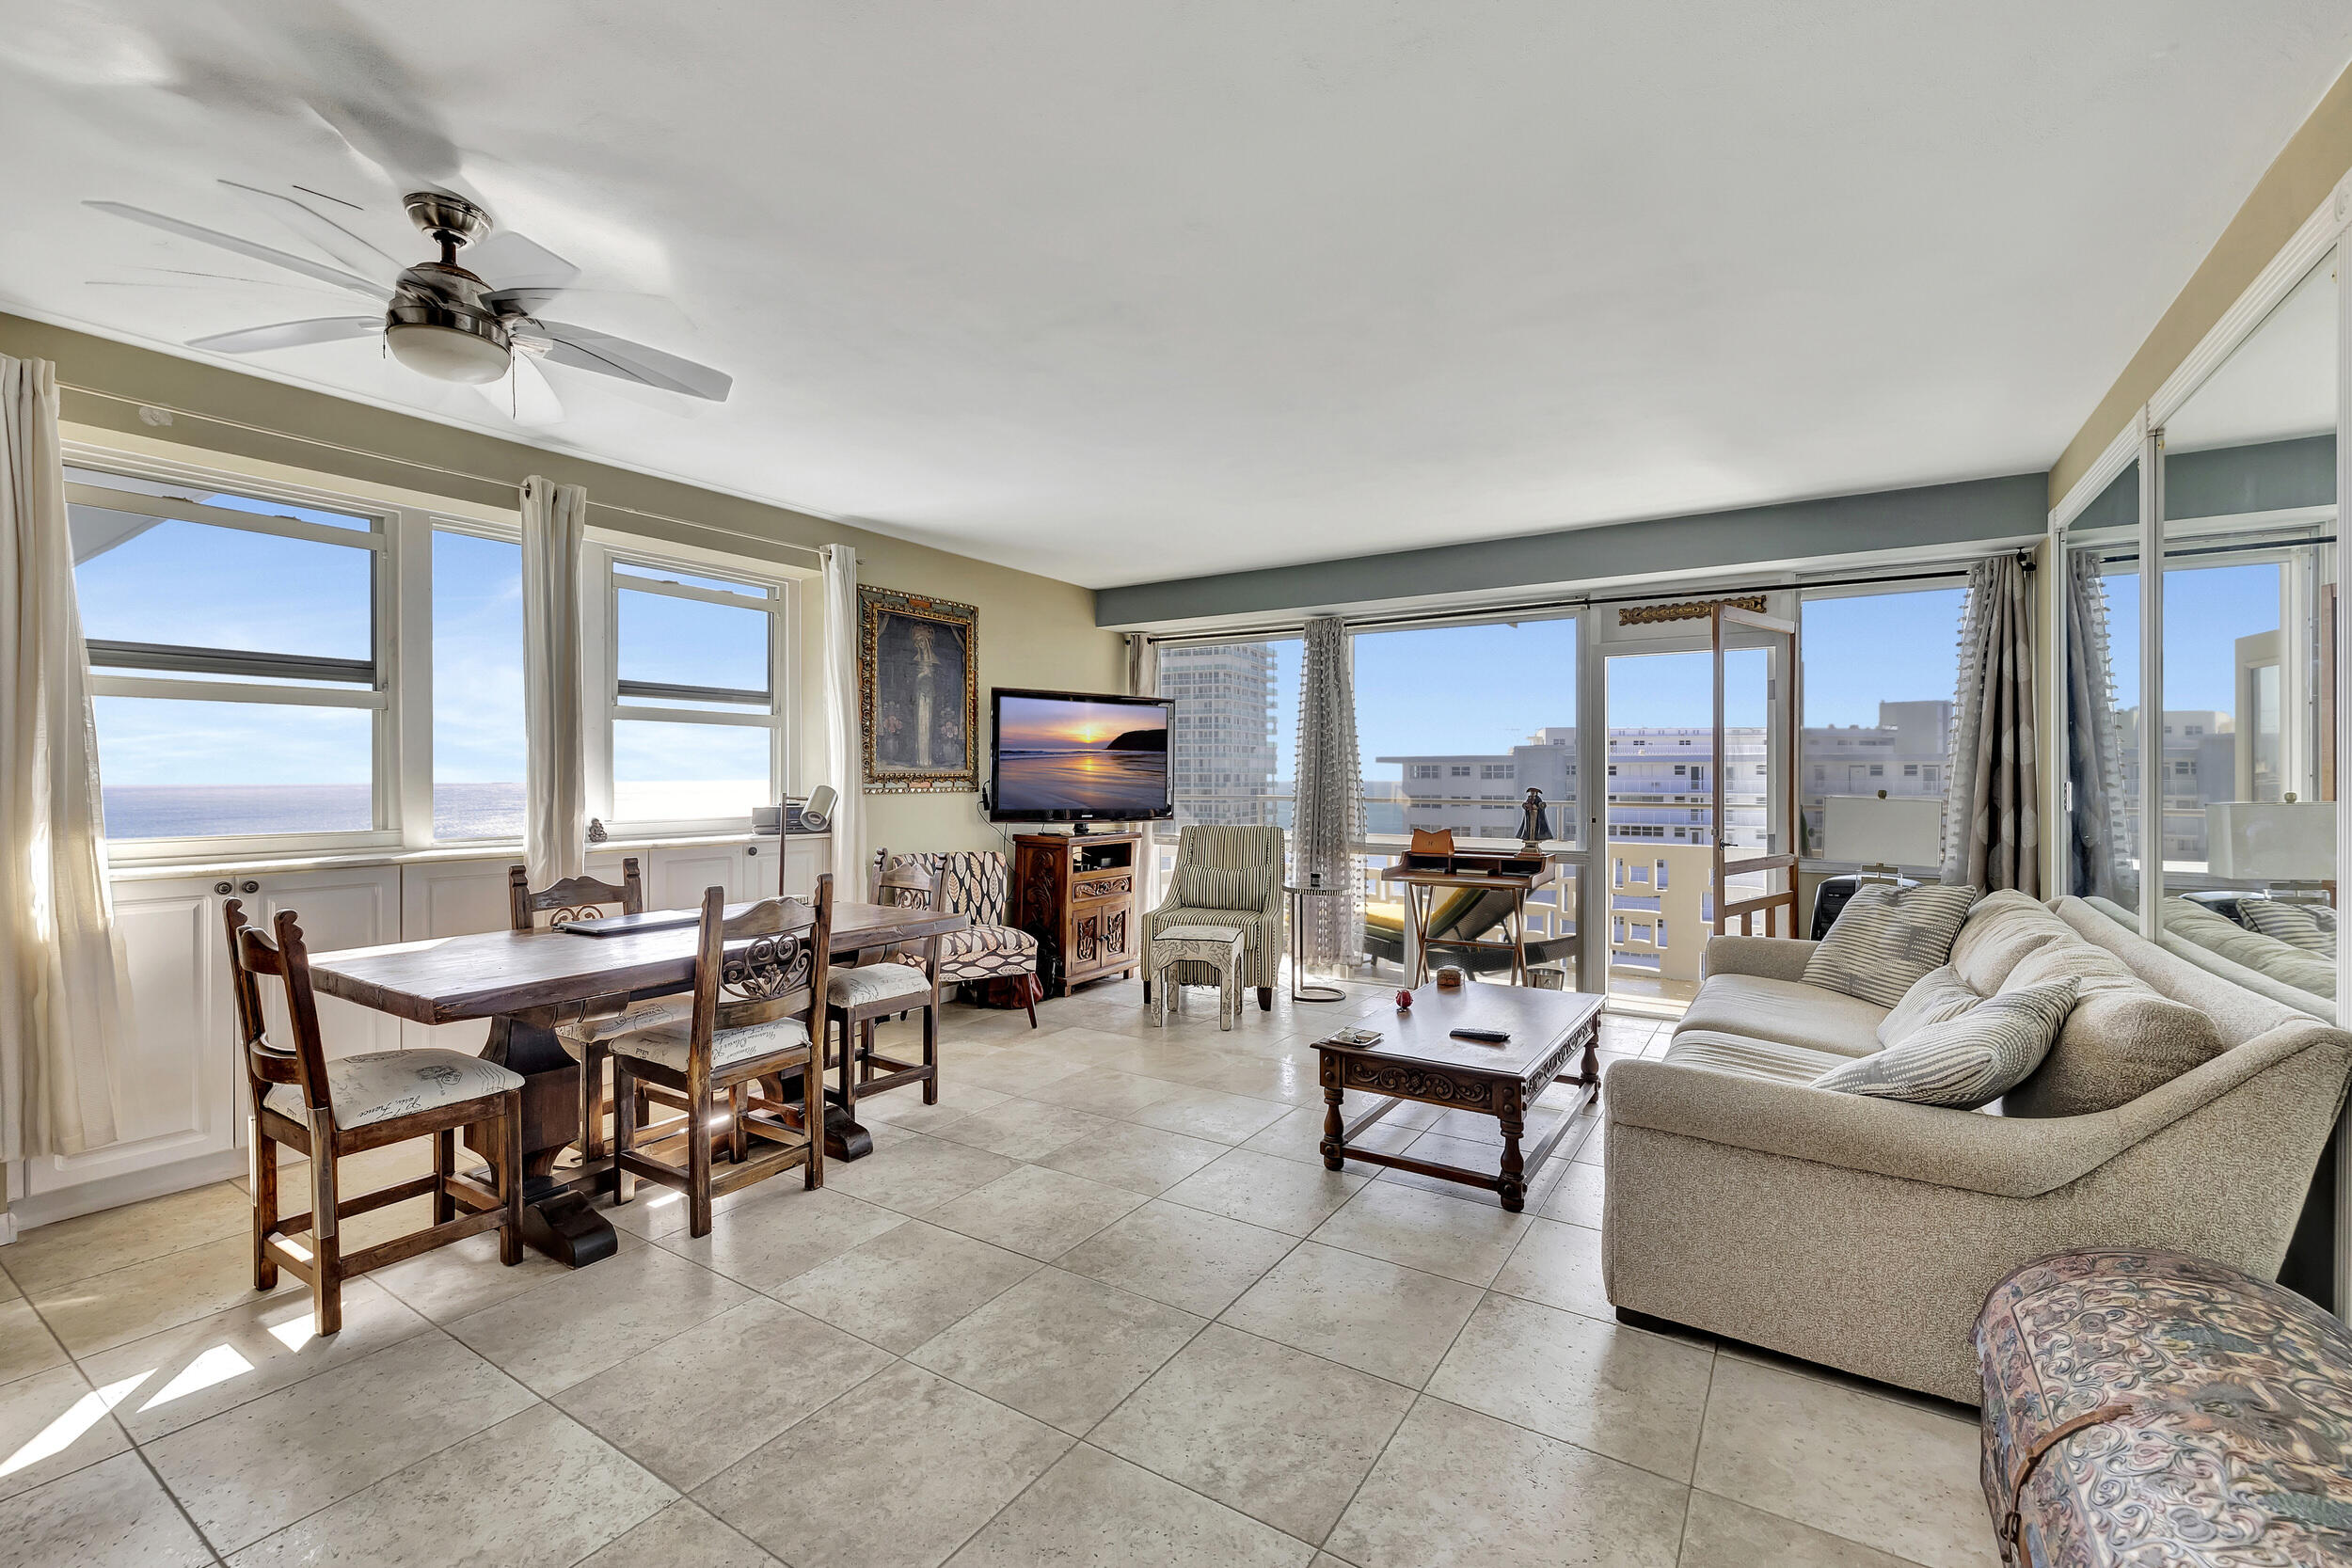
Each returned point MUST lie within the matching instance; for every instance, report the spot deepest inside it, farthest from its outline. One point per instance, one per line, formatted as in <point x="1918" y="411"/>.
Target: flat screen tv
<point x="1072" y="756"/>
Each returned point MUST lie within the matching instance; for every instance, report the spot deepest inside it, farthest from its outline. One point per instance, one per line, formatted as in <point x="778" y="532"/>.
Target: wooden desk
<point x="1417" y="1058"/>
<point x="527" y="982"/>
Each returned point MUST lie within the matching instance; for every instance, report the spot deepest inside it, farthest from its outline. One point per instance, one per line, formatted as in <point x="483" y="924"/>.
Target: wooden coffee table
<point x="1416" y="1058"/>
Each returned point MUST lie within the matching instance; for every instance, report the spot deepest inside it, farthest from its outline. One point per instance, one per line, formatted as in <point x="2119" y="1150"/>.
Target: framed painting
<point x="918" y="694"/>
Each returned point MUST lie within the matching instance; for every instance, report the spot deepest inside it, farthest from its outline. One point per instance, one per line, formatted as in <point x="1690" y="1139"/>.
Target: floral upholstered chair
<point x="975" y="885"/>
<point x="1225" y="876"/>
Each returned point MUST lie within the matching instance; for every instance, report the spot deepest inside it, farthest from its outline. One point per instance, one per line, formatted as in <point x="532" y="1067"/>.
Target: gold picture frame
<point x="918" y="692"/>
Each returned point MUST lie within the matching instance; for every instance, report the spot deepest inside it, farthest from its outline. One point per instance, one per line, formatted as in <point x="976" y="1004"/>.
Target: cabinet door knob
<point x="252" y="887"/>
<point x="751" y="848"/>
<point x="224" y="887"/>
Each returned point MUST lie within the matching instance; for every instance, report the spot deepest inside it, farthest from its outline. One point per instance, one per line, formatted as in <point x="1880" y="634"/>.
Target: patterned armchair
<point x="1225" y="876"/>
<point x="976" y="885"/>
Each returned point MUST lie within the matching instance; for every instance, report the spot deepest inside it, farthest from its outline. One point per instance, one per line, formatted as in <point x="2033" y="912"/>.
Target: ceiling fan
<point x="442" y="320"/>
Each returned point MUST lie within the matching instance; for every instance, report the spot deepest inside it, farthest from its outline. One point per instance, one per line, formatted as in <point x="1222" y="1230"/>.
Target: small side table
<point x="1300" y="989"/>
<point x="1218" y="946"/>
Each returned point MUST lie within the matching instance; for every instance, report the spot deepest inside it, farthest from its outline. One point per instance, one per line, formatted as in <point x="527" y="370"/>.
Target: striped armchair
<point x="1225" y="876"/>
<point x="975" y="884"/>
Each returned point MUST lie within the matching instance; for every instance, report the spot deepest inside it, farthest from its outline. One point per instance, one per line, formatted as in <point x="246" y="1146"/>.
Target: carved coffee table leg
<point x="1514" y="1187"/>
<point x="1334" y="1152"/>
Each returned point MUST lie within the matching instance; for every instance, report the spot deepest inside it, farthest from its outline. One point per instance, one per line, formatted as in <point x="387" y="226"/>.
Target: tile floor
<point x="1101" y="1304"/>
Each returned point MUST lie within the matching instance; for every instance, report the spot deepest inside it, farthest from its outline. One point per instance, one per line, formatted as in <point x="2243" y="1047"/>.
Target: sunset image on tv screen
<point x="1065" y="754"/>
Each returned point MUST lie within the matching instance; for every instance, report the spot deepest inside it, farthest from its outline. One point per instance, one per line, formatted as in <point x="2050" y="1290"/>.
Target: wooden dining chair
<point x="587" y="1025"/>
<point x="757" y="1015"/>
<point x="905" y="981"/>
<point x="331" y="1110"/>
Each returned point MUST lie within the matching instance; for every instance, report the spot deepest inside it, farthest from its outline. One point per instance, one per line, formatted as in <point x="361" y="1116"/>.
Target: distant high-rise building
<point x="1222" y="756"/>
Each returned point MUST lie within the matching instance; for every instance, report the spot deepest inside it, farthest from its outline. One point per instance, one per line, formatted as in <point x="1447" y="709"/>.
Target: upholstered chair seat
<point x="385" y="1086"/>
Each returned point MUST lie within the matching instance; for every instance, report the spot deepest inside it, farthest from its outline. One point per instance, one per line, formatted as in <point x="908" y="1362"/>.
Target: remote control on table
<point x="1486" y="1037"/>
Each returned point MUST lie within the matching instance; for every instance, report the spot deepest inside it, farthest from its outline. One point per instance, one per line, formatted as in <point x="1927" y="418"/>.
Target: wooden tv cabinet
<point x="1075" y="893"/>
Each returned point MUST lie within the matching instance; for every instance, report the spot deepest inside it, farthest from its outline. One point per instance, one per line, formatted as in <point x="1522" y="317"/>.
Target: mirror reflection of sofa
<point x="2199" y="929"/>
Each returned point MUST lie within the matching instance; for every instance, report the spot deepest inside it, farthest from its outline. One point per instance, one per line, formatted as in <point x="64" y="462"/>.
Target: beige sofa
<point x="1865" y="1233"/>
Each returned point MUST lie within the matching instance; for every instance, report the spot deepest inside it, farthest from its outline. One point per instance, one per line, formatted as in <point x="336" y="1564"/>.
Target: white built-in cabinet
<point x="183" y="1111"/>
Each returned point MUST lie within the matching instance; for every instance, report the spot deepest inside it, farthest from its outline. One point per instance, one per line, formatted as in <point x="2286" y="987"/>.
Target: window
<point x="1236" y="710"/>
<point x="1460" y="772"/>
<point x="1659" y="876"/>
<point x="1880" y="669"/>
<point x="1661" y="932"/>
<point x="694" y="662"/>
<point x="236" y="676"/>
<point x="477" y="685"/>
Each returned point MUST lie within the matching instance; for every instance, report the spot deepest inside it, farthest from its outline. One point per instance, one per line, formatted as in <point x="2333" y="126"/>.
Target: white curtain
<point x="844" y="767"/>
<point x="1143" y="680"/>
<point x="555" y="812"/>
<point x="65" y="1011"/>
<point x="1329" y="815"/>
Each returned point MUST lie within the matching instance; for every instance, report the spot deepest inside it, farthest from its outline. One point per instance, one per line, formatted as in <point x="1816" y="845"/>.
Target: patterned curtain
<point x="1991" y="827"/>
<point x="1329" y="814"/>
<point x="2094" y="765"/>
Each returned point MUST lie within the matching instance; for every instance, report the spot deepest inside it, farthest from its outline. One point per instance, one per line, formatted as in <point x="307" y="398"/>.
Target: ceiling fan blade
<point x="600" y="352"/>
<point x="321" y="230"/>
<point x="510" y="261"/>
<point x="523" y="395"/>
<point x="323" y="330"/>
<point x="308" y="268"/>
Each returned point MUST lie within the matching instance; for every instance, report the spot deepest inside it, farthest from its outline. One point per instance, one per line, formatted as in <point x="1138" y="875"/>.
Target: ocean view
<point x="460" y="811"/>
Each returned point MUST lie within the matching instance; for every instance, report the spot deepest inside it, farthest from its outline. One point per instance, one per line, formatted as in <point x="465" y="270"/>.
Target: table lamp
<point x="2271" y="841"/>
<point x="1881" y="832"/>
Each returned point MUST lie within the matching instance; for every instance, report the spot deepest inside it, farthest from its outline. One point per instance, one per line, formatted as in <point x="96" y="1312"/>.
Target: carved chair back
<point x="573" y="898"/>
<point x="253" y="954"/>
<point x="766" y="963"/>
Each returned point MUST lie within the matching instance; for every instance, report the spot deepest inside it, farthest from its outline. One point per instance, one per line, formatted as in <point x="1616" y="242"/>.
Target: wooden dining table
<point x="527" y="982"/>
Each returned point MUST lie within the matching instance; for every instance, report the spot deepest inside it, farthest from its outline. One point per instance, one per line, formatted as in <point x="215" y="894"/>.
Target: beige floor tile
<point x="1299" y="1137"/>
<point x="895" y="1474"/>
<point x="1560" y="1266"/>
<point x="1187" y="1257"/>
<point x="1455" y="1486"/>
<point x="682" y="1535"/>
<point x="1594" y="1147"/>
<point x="1059" y="1347"/>
<point x="1614" y="1390"/>
<point x="1264" y="1190"/>
<point x="1361" y="1312"/>
<point x="907" y="1284"/>
<point x="1576" y="1198"/>
<point x="1038" y="1211"/>
<point x="265" y="1464"/>
<point x="654" y="1211"/>
<point x="8" y="1291"/>
<point x="110" y="1514"/>
<point x="582" y="1493"/>
<point x="1282" y="1435"/>
<point x="464" y="1277"/>
<point x="916" y="1174"/>
<point x="1107" y="1091"/>
<point x="1434" y="1233"/>
<point x="100" y="1312"/>
<point x="53" y="1255"/>
<point x="904" y="1109"/>
<point x="1721" y="1534"/>
<point x="1484" y="1158"/>
<point x="689" y="1406"/>
<point x="27" y="1346"/>
<point x="1023" y="1129"/>
<point x="193" y="1373"/>
<point x="1097" y="1510"/>
<point x="53" y="1423"/>
<point x="1087" y="1045"/>
<point x="1140" y="1158"/>
<point x="596" y="1317"/>
<point x="1014" y="1072"/>
<point x="1227" y="1118"/>
<point x="762" y="1244"/>
<point x="1867" y="1470"/>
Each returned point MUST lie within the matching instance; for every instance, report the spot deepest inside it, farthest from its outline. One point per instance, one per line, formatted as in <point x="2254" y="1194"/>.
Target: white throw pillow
<point x="1938" y="997"/>
<point x="1967" y="1062"/>
<point x="1886" y="938"/>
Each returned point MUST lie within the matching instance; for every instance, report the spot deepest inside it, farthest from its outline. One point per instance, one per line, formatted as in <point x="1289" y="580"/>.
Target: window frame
<point x="602" y="559"/>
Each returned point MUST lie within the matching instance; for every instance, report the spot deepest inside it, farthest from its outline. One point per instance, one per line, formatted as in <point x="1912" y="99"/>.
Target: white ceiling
<point x="1118" y="291"/>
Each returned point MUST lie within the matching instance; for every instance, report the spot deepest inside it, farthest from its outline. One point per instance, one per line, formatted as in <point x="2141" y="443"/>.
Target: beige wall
<point x="1033" y="630"/>
<point x="2301" y="177"/>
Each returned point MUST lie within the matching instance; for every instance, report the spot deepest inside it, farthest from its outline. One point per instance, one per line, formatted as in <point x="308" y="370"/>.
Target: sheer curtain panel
<point x="844" y="769"/>
<point x="1327" y="816"/>
<point x="555" y="814"/>
<point x="65" y="1009"/>
<point x="1143" y="680"/>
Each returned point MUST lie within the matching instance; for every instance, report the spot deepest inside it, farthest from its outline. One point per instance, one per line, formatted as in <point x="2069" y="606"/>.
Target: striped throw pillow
<point x="1886" y="938"/>
<point x="2311" y="927"/>
<point x="1220" y="887"/>
<point x="1940" y="996"/>
<point x="1967" y="1062"/>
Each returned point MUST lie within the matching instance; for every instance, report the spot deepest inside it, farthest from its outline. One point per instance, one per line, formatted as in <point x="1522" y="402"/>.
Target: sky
<point x="2205" y="610"/>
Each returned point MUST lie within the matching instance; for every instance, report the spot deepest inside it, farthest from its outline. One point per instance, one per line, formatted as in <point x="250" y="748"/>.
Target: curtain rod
<point x="1505" y="613"/>
<point x="419" y="465"/>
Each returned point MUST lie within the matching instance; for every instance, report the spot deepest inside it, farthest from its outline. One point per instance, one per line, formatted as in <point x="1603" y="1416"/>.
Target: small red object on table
<point x="1403" y="998"/>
